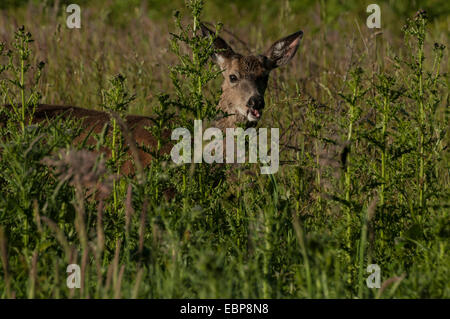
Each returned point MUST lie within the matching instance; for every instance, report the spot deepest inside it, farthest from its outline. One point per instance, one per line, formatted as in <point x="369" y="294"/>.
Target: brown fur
<point x="94" y="121"/>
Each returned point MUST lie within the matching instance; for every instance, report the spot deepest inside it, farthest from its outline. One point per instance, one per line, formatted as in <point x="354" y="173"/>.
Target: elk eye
<point x="233" y="78"/>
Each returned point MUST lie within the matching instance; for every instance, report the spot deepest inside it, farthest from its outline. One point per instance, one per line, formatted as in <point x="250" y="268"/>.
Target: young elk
<point x="245" y="81"/>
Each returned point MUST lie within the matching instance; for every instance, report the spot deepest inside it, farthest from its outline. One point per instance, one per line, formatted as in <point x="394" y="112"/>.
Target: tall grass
<point x="364" y="178"/>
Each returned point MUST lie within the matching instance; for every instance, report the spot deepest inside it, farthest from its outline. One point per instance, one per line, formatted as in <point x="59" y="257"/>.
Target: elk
<point x="246" y="77"/>
<point x="243" y="88"/>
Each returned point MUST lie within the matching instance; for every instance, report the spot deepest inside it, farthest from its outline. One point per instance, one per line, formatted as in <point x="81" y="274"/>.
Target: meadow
<point x="364" y="162"/>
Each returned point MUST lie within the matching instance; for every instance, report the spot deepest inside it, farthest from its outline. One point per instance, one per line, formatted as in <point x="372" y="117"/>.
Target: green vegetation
<point x="363" y="118"/>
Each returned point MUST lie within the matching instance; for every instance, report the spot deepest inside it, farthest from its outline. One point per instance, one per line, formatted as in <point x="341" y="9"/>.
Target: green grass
<point x="363" y="118"/>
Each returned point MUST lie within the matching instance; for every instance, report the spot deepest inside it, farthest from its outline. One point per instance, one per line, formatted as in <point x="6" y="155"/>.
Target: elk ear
<point x="224" y="51"/>
<point x="282" y="51"/>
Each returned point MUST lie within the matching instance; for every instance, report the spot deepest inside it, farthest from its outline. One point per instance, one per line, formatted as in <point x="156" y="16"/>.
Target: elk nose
<point x="256" y="102"/>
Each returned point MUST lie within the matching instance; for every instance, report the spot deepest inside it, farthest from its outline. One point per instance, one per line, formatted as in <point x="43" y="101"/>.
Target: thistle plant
<point x="192" y="75"/>
<point x="387" y="94"/>
<point x="116" y="99"/>
<point x="195" y="70"/>
<point x="23" y="97"/>
<point x="353" y="100"/>
<point x="354" y="111"/>
<point x="423" y="87"/>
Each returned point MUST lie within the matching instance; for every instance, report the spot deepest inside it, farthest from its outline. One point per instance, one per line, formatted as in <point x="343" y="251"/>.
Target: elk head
<point x="245" y="77"/>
